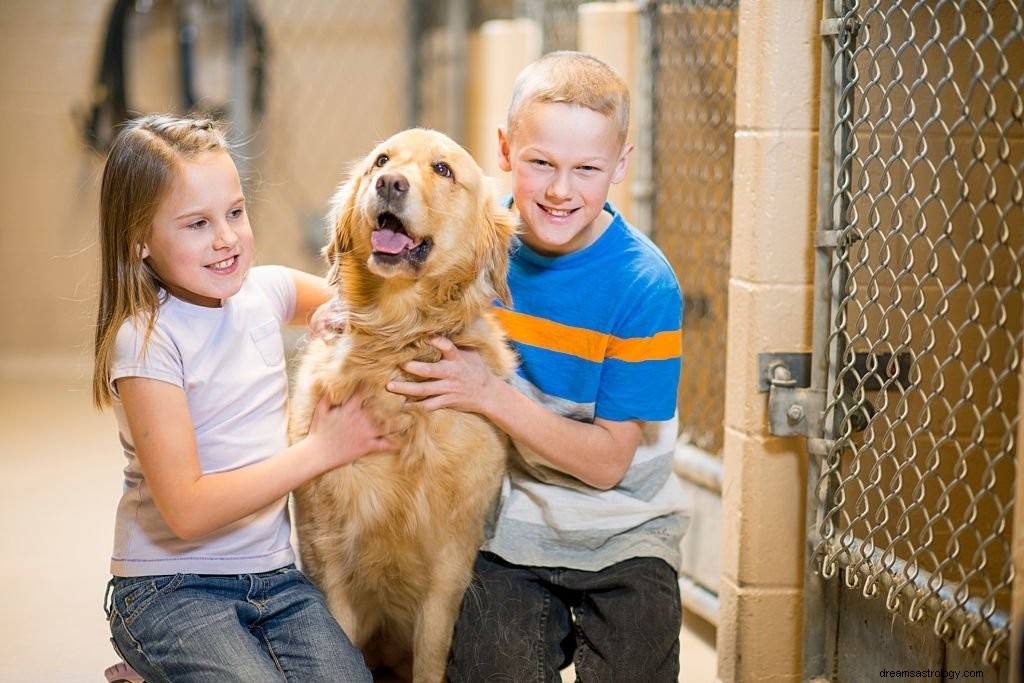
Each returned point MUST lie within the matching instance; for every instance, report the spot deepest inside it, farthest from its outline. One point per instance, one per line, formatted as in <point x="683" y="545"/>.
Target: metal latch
<point x="794" y="409"/>
<point x="834" y="26"/>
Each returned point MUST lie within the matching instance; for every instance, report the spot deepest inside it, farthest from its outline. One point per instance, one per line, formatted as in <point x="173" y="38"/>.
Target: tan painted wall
<point x="609" y="30"/>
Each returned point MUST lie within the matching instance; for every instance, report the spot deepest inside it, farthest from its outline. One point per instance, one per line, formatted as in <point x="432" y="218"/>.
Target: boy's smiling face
<point x="563" y="158"/>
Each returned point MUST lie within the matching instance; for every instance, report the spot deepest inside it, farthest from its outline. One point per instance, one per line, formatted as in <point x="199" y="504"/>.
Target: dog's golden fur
<point x="419" y="249"/>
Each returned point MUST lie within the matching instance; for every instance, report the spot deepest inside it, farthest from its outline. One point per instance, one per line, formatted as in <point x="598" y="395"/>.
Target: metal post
<point x="818" y="662"/>
<point x="642" y="191"/>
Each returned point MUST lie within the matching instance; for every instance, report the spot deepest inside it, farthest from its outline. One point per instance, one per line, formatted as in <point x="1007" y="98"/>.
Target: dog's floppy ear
<point x="339" y="225"/>
<point x="498" y="227"/>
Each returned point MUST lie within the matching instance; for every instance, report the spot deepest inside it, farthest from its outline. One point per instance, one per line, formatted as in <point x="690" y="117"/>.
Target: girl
<point x="189" y="354"/>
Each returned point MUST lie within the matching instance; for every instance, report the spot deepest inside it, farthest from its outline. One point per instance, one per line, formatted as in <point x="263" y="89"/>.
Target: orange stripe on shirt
<point x="587" y="344"/>
<point x="662" y="346"/>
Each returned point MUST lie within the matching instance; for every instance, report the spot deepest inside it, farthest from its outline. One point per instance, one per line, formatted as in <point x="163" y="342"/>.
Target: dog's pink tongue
<point x="388" y="241"/>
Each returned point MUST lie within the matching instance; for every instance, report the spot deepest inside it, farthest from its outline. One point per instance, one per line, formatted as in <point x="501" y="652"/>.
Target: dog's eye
<point x="443" y="169"/>
<point x="381" y="160"/>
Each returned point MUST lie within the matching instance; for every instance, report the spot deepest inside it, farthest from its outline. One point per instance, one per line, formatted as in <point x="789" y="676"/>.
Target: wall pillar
<point x="497" y="53"/>
<point x="610" y="31"/>
<point x="770" y="310"/>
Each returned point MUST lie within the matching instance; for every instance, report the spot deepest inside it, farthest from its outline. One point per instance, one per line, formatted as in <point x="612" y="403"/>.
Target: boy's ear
<point x="504" y="151"/>
<point x="622" y="165"/>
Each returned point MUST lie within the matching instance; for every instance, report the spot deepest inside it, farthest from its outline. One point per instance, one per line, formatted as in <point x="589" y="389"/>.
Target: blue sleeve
<point x="642" y="381"/>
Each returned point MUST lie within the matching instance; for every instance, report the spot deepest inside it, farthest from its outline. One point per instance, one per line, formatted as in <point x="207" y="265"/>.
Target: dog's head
<point x="419" y="208"/>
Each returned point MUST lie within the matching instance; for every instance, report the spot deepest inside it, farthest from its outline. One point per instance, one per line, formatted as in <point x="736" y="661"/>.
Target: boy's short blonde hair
<point x="574" y="78"/>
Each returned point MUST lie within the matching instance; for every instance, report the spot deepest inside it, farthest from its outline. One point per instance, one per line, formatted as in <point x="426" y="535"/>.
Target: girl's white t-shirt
<point x="230" y="362"/>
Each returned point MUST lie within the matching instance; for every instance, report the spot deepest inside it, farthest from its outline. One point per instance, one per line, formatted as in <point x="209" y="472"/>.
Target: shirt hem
<point x="221" y="565"/>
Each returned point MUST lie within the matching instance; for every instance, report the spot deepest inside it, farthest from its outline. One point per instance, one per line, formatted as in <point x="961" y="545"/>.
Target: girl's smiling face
<point x="200" y="245"/>
<point x="563" y="159"/>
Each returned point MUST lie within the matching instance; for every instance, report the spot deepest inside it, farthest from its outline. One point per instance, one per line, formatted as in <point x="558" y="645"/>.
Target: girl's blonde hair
<point x="575" y="78"/>
<point x="140" y="168"/>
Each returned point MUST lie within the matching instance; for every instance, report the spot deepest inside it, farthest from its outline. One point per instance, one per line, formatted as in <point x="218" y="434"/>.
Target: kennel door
<point x="918" y="339"/>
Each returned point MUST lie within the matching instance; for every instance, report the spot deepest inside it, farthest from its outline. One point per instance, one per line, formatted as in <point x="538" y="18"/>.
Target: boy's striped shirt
<point x="598" y="335"/>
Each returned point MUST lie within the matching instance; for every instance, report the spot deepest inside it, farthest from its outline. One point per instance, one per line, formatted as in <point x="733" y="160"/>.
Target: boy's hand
<point x="460" y="380"/>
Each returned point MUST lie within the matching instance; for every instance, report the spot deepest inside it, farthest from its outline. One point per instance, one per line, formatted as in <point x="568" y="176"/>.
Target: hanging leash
<point x="110" y="106"/>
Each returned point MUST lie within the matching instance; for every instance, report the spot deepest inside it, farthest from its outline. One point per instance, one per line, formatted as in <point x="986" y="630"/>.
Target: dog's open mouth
<point x="392" y="243"/>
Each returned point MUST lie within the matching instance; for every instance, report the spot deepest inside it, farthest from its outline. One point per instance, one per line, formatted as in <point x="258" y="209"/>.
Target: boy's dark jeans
<point x="523" y="624"/>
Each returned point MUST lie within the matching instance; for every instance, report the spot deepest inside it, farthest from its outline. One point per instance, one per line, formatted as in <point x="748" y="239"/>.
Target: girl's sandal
<point x="122" y="673"/>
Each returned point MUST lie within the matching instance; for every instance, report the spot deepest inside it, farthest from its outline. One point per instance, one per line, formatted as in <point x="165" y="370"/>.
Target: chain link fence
<point x="927" y="331"/>
<point x="694" y="67"/>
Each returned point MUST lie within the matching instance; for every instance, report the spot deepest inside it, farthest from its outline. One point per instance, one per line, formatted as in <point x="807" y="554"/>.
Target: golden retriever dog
<point x="419" y="249"/>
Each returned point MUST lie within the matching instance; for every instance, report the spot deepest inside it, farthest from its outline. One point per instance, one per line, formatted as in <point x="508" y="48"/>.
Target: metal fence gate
<point x="921" y="243"/>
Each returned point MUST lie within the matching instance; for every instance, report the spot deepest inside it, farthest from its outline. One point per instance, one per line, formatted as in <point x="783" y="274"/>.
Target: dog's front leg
<point x="436" y="620"/>
<point x="357" y="630"/>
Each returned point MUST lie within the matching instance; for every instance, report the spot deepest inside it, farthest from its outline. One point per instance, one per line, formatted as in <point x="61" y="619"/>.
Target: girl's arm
<point x="311" y="291"/>
<point x="194" y="504"/>
<point x="460" y="380"/>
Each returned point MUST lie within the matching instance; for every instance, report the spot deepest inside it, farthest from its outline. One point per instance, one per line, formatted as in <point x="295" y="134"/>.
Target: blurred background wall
<point x="322" y="107"/>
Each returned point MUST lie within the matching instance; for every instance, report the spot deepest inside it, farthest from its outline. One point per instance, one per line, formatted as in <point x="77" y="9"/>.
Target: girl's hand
<point x="195" y="503"/>
<point x="328" y="319"/>
<point x="459" y="380"/>
<point x="346" y="432"/>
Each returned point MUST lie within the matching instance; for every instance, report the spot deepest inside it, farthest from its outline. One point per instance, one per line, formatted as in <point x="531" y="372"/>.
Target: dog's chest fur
<point x="391" y="501"/>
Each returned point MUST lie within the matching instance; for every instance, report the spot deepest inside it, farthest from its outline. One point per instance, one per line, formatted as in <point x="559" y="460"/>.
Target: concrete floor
<point x="61" y="478"/>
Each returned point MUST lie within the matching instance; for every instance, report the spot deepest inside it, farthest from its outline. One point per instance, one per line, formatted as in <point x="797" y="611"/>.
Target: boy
<point x="580" y="561"/>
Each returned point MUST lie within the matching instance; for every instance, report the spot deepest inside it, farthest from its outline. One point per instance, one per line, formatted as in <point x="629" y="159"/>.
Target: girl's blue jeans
<point x="523" y="624"/>
<point x="249" y="628"/>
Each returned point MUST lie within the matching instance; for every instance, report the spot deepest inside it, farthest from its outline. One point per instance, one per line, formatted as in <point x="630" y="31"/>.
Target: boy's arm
<point x="560" y="441"/>
<point x="460" y="380"/>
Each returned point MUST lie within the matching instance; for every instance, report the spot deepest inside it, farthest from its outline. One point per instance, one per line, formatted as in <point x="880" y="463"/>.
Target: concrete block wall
<point x="770" y="309"/>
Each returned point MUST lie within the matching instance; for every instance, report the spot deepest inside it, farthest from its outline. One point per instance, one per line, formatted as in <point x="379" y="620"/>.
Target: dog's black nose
<point x="392" y="186"/>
